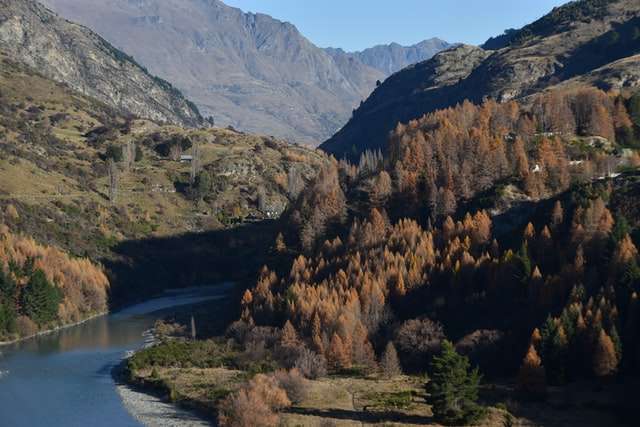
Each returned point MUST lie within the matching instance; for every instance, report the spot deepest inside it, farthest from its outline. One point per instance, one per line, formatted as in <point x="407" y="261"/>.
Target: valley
<point x="463" y="251"/>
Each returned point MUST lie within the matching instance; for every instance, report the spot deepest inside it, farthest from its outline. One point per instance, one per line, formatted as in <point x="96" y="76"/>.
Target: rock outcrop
<point x="72" y="54"/>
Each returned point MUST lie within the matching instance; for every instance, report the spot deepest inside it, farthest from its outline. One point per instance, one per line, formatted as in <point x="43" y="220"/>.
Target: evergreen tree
<point x="8" y="291"/>
<point x="554" y="351"/>
<point x="40" y="299"/>
<point x="453" y="388"/>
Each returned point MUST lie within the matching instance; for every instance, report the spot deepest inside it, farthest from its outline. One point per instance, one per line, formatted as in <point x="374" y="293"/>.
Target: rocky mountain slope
<point x="247" y="70"/>
<point x="55" y="151"/>
<point x="393" y="57"/>
<point x="587" y="39"/>
<point x="74" y="55"/>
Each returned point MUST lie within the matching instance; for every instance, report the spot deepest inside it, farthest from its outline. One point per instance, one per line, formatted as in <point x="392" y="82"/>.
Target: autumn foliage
<point x="387" y="252"/>
<point x="254" y="405"/>
<point x="83" y="285"/>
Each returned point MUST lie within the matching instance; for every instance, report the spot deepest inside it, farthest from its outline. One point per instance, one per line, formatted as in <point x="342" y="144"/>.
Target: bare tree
<point x="261" y="199"/>
<point x="175" y="151"/>
<point x="195" y="162"/>
<point x="113" y="179"/>
<point x="295" y="183"/>
<point x="390" y="363"/>
<point x="128" y="155"/>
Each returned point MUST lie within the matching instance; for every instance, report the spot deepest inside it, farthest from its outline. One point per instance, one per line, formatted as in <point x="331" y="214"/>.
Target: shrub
<point x="311" y="365"/>
<point x="254" y="405"/>
<point x="418" y="340"/>
<point x="293" y="383"/>
<point x="11" y="212"/>
<point x="199" y="354"/>
<point x="114" y="152"/>
<point x="25" y="326"/>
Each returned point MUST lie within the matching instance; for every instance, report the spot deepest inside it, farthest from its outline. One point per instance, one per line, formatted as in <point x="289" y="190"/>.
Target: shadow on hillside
<point x="364" y="416"/>
<point x="143" y="268"/>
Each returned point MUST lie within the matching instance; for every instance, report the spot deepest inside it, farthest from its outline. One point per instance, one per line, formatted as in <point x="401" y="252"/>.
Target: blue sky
<point x="358" y="24"/>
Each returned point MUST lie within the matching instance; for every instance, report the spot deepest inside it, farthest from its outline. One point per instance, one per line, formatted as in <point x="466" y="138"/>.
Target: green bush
<point x="182" y="354"/>
<point x="114" y="152"/>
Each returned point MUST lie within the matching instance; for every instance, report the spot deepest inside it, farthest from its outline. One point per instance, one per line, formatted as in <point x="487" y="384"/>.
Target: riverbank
<point x="151" y="406"/>
<point x="152" y="411"/>
<point x="53" y="330"/>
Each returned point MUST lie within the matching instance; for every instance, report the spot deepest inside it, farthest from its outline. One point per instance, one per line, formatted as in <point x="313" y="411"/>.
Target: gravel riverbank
<point x="151" y="411"/>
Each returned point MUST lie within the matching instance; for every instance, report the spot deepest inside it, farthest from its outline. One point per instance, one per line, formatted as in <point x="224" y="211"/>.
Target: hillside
<point x="56" y="176"/>
<point x="505" y="233"/>
<point x="74" y="55"/>
<point x="393" y="57"/>
<point x="246" y="70"/>
<point x="555" y="49"/>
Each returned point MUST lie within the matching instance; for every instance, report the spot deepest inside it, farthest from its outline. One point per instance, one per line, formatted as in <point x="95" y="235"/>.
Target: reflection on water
<point x="64" y="379"/>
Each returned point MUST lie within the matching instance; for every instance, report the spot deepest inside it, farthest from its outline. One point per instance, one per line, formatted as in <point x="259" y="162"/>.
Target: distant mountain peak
<point x="392" y="57"/>
<point x="247" y="70"/>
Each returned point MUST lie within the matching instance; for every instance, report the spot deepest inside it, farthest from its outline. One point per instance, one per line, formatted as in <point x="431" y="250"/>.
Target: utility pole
<point x="193" y="328"/>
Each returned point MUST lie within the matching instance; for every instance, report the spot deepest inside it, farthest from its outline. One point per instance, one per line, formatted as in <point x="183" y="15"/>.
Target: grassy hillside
<point x="55" y="183"/>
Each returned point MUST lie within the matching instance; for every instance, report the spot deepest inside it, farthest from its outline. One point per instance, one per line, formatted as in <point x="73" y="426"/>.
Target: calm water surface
<point x="64" y="379"/>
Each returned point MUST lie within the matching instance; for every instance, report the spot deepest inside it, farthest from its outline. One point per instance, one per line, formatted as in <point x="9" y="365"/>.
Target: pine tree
<point x="453" y="388"/>
<point x="40" y="299"/>
<point x="390" y="363"/>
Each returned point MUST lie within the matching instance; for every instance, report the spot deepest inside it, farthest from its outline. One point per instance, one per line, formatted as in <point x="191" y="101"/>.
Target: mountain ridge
<point x="73" y="54"/>
<point x="511" y="72"/>
<point x="247" y="70"/>
<point x="392" y="57"/>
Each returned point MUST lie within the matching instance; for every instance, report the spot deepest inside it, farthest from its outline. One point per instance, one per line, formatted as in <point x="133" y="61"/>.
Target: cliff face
<point x="589" y="41"/>
<point x="74" y="55"/>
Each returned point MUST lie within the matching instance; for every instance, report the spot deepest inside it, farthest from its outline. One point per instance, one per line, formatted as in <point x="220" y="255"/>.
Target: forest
<point x="392" y="258"/>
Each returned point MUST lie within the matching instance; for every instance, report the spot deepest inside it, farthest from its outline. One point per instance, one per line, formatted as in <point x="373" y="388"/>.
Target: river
<point x="64" y="378"/>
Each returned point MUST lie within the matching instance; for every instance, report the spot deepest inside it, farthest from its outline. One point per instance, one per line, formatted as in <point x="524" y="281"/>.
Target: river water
<point x="64" y="378"/>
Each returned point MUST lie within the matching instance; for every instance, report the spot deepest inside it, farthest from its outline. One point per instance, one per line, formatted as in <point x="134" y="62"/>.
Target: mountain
<point x="592" y="41"/>
<point x="393" y="57"/>
<point x="246" y="70"/>
<point x="74" y="55"/>
<point x="55" y="186"/>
